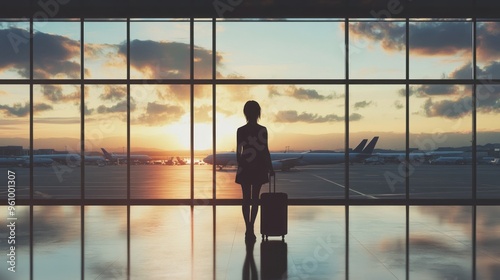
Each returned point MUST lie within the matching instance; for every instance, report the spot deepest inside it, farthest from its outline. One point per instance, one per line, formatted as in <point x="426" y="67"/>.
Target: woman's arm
<point x="239" y="145"/>
<point x="268" y="154"/>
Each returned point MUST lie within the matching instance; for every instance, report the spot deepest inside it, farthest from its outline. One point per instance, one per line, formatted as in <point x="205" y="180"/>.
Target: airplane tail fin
<point x="369" y="148"/>
<point x="106" y="154"/>
<point x="359" y="148"/>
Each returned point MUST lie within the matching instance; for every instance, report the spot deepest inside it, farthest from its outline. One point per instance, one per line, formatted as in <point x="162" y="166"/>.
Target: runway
<point x="311" y="182"/>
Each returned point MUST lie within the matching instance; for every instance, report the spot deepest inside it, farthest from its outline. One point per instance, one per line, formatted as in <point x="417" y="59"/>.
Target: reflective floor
<point x="205" y="242"/>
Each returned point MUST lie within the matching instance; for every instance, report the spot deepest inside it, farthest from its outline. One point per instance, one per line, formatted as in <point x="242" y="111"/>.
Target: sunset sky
<point x="300" y="116"/>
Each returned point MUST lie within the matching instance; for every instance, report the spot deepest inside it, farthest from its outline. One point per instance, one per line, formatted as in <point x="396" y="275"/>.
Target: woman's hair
<point x="252" y="111"/>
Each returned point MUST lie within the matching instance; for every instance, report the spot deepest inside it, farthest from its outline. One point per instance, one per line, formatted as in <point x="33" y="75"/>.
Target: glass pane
<point x="57" y="242"/>
<point x="105" y="50"/>
<point x="440" y="50"/>
<point x="488" y="141"/>
<point x="159" y="50"/>
<point x="377" y="50"/>
<point x="105" y="130"/>
<point x="441" y="128"/>
<point x="160" y="131"/>
<point x="488" y="54"/>
<point x="56" y="148"/>
<point x="15" y="46"/>
<point x="161" y="242"/>
<point x="377" y="129"/>
<point x="377" y="253"/>
<point x="14" y="135"/>
<point x="15" y="241"/>
<point x="315" y="250"/>
<point x="249" y="50"/>
<point x="488" y="243"/>
<point x="56" y="50"/>
<point x="203" y="50"/>
<point x="305" y="118"/>
<point x="105" y="246"/>
<point x="203" y="144"/>
<point x="203" y="246"/>
<point x="440" y="242"/>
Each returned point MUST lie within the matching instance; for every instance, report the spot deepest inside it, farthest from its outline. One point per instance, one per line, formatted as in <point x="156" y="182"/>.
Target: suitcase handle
<point x="274" y="180"/>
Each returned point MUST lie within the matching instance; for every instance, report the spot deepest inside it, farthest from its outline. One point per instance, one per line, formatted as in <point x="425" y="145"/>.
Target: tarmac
<point x="309" y="182"/>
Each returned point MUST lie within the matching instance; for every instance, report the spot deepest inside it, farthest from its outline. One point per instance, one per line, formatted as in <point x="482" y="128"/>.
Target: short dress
<point x="254" y="160"/>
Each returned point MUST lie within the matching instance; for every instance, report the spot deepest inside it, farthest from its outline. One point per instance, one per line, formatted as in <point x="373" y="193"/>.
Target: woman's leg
<point x="255" y="203"/>
<point x="245" y="207"/>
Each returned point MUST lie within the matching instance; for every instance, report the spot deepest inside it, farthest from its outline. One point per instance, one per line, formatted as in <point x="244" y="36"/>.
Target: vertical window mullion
<point x="407" y="152"/>
<point x="191" y="110"/>
<point x="82" y="147"/>
<point x="214" y="108"/>
<point x="474" y="146"/>
<point x="128" y="148"/>
<point x="31" y="148"/>
<point x="346" y="147"/>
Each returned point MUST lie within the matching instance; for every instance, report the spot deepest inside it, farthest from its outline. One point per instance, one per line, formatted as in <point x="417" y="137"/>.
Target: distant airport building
<point x="11" y="151"/>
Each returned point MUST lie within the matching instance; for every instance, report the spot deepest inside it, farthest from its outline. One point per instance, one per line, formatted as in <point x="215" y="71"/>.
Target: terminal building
<point x="111" y="82"/>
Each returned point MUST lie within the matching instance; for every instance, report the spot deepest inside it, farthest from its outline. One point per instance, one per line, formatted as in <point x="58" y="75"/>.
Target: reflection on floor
<point x="205" y="242"/>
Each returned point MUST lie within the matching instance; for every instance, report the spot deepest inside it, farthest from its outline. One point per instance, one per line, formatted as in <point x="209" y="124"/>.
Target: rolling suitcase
<point x="274" y="213"/>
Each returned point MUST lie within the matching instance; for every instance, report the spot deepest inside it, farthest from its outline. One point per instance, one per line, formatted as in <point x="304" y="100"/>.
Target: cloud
<point x="298" y="93"/>
<point x="114" y="93"/>
<point x="362" y="104"/>
<point x="390" y="34"/>
<point x="430" y="90"/>
<point x="120" y="107"/>
<point x="177" y="92"/>
<point x="488" y="98"/>
<point x="58" y="120"/>
<point x="15" y="50"/>
<point x="53" y="55"/>
<point x="451" y="109"/>
<point x="464" y="72"/>
<point x="305" y="94"/>
<point x="273" y="91"/>
<point x="490" y="70"/>
<point x="440" y="38"/>
<point x="55" y="94"/>
<point x="167" y="60"/>
<point x="355" y="117"/>
<point x="426" y="38"/>
<point x="203" y="114"/>
<point x="292" y="116"/>
<point x="488" y="40"/>
<point x="160" y="114"/>
<point x="398" y="104"/>
<point x="20" y="110"/>
<point x="87" y="110"/>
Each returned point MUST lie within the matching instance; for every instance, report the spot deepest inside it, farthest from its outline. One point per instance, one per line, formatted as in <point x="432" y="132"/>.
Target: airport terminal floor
<point x="207" y="242"/>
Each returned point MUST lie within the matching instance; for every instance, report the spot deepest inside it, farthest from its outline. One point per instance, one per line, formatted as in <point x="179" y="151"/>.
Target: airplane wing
<point x="286" y="164"/>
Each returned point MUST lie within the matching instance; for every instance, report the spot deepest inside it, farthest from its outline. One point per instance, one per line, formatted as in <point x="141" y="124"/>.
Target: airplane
<point x="24" y="161"/>
<point x="451" y="160"/>
<point x="116" y="158"/>
<point x="414" y="156"/>
<point x="180" y="161"/>
<point x="48" y="159"/>
<point x="286" y="161"/>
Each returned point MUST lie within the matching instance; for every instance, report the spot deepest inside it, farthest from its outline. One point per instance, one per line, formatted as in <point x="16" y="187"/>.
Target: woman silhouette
<point x="254" y="164"/>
